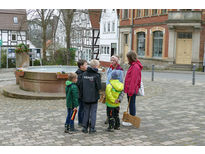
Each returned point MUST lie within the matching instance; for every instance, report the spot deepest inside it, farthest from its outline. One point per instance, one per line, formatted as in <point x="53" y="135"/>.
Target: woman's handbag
<point x="141" y="90"/>
<point x="134" y="120"/>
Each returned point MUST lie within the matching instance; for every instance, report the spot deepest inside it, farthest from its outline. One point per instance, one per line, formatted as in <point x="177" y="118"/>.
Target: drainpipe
<point x="132" y="30"/>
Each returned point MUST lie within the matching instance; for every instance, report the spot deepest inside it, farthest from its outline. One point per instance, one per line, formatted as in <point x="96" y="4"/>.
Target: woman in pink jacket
<point x="132" y="80"/>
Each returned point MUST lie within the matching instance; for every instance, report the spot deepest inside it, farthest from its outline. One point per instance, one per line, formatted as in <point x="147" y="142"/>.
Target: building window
<point x="113" y="49"/>
<point x="113" y="26"/>
<point x="186" y="10"/>
<point x="164" y="11"/>
<point x="141" y="43"/>
<point x="126" y="38"/>
<point x="15" y="20"/>
<point x="138" y="13"/>
<point x="125" y="14"/>
<point x="13" y="37"/>
<point x="157" y="43"/>
<point x="108" y="27"/>
<point x="104" y="27"/>
<point x="146" y="12"/>
<point x="101" y="50"/>
<point x="108" y="52"/>
<point x="154" y="12"/>
<point x="104" y="50"/>
<point x="182" y="35"/>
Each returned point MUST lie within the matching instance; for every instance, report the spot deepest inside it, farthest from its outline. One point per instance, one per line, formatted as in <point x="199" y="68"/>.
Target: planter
<point x="62" y="76"/>
<point x="22" y="60"/>
<point x="19" y="73"/>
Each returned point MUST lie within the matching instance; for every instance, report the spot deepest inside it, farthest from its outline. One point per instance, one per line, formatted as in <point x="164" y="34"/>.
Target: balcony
<point x="184" y="17"/>
<point x="189" y="19"/>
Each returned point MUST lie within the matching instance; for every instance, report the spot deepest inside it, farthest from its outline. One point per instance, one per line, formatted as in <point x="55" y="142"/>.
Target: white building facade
<point x="84" y="37"/>
<point x="109" y="34"/>
<point x="60" y="38"/>
<point x="81" y="34"/>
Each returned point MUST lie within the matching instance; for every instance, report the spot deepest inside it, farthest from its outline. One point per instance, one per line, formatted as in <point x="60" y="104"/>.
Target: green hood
<point x="117" y="85"/>
<point x="68" y="83"/>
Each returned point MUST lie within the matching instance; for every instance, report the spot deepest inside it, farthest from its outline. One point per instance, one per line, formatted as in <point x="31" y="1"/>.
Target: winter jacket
<point x="109" y="72"/>
<point x="113" y="90"/>
<point x="91" y="84"/>
<point x="71" y="95"/>
<point x="79" y="72"/>
<point x="133" y="78"/>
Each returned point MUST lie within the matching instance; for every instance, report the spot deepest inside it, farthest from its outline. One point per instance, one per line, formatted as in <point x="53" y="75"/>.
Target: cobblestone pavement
<point x="172" y="113"/>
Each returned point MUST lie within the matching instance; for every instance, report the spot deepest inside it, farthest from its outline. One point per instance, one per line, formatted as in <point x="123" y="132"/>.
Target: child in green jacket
<point x="114" y="94"/>
<point x="71" y="101"/>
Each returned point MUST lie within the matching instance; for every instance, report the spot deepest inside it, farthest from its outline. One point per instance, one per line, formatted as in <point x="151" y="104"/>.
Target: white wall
<point x="108" y="37"/>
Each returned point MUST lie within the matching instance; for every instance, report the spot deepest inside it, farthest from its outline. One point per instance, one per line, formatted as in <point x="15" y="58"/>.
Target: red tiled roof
<point x="95" y="15"/>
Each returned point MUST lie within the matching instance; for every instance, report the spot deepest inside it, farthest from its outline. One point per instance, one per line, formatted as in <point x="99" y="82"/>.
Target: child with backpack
<point x="114" y="95"/>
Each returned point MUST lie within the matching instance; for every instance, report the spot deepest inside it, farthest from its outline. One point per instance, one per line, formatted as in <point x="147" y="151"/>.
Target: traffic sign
<point x="0" y="42"/>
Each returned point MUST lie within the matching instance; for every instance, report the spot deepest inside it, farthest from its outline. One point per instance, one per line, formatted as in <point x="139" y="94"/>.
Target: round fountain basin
<point x="44" y="79"/>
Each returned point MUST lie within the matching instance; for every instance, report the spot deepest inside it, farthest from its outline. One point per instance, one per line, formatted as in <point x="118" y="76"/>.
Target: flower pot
<point x="62" y="76"/>
<point x="22" y="60"/>
<point x="19" y="73"/>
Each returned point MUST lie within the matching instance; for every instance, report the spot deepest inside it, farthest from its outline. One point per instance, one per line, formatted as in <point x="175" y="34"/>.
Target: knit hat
<point x="115" y="74"/>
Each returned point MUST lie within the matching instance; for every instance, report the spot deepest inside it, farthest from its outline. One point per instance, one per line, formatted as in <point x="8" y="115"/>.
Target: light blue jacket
<point x="109" y="72"/>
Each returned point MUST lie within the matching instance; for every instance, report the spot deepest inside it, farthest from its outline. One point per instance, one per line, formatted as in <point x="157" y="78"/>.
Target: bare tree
<point x="67" y="15"/>
<point x="44" y="16"/>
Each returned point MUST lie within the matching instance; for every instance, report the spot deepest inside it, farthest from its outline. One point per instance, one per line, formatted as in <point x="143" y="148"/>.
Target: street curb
<point x="14" y="91"/>
<point x="178" y="72"/>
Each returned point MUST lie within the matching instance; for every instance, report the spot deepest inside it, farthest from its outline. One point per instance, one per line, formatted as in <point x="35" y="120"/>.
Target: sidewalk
<point x="171" y="112"/>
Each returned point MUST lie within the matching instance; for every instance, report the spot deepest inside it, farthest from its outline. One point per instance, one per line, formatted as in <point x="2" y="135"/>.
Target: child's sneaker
<point x="67" y="129"/>
<point x="73" y="130"/>
<point x="117" y="128"/>
<point x="92" y="131"/>
<point x="110" y="129"/>
<point x="85" y="130"/>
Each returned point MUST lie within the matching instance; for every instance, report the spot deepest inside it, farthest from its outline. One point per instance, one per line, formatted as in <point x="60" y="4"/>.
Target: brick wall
<point x="152" y="19"/>
<point x="148" y="39"/>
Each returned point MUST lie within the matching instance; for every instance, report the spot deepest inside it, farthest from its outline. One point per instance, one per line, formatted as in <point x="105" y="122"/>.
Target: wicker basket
<point x="134" y="120"/>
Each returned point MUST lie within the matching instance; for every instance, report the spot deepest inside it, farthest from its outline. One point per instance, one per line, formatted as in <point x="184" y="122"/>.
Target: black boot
<point x="111" y="125"/>
<point x="117" y="123"/>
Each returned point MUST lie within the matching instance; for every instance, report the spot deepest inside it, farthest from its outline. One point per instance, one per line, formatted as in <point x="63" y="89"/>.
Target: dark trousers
<point x="113" y="117"/>
<point x="132" y="106"/>
<point x="68" y="119"/>
<point x="80" y="112"/>
<point x="90" y="112"/>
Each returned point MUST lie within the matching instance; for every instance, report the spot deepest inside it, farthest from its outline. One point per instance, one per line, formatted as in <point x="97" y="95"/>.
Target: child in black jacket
<point x="82" y="67"/>
<point x="91" y="84"/>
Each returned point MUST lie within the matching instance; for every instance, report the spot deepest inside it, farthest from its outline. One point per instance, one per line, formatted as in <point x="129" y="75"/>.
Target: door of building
<point x="113" y="48"/>
<point x="125" y="47"/>
<point x="184" y="48"/>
